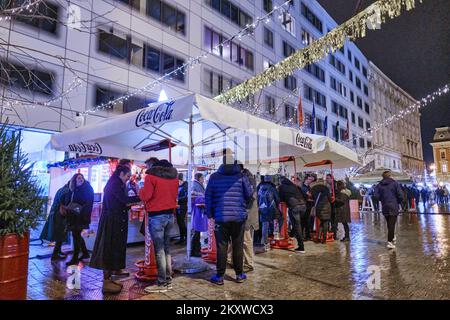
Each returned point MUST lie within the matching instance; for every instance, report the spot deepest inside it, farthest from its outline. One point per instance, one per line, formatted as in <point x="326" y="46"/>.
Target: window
<point x="167" y="15"/>
<point x="314" y="96"/>
<point x="288" y="23"/>
<point x="316" y="71"/>
<point x="162" y="62"/>
<point x="268" y="6"/>
<point x="234" y="53"/>
<point x="290" y="112"/>
<point x="360" y="122"/>
<point x="354" y="140"/>
<point x="307" y="39"/>
<point x="358" y="82"/>
<point x="268" y="37"/>
<point x="270" y="105"/>
<point x="334" y="107"/>
<point x="215" y="83"/>
<point x="335" y="131"/>
<point x="230" y="11"/>
<point x="290" y="82"/>
<point x="364" y="71"/>
<point x="343" y="113"/>
<point x="44" y="17"/>
<point x="367" y="125"/>
<point x="350" y="76"/>
<point x="287" y="49"/>
<point x="352" y="96"/>
<point x="267" y="64"/>
<point x="349" y="55"/>
<point x="357" y="64"/>
<point x="337" y="64"/>
<point x="28" y="78"/>
<point x="120" y="47"/>
<point x="311" y="17"/>
<point x="359" y="102"/>
<point x="366" y="108"/>
<point x="444" y="168"/>
<point x="366" y="90"/>
<point x="104" y="96"/>
<point x="319" y="125"/>
<point x="362" y="143"/>
<point x="353" y="118"/>
<point x="338" y="86"/>
<point x="443" y="155"/>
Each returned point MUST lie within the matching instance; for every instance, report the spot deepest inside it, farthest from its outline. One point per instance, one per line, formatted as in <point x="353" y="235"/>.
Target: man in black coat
<point x="109" y="252"/>
<point x="182" y="210"/>
<point x="293" y="197"/>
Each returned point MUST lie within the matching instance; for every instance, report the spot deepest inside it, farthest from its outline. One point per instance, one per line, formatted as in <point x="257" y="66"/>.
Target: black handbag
<point x="74" y="208"/>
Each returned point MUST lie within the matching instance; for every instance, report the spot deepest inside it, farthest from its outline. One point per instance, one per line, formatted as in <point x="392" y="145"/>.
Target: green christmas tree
<point x="21" y="201"/>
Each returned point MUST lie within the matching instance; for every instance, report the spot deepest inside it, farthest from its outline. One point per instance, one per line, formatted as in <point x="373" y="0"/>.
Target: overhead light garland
<point x="29" y="6"/>
<point x="405" y="112"/>
<point x="192" y="62"/>
<point x="353" y="28"/>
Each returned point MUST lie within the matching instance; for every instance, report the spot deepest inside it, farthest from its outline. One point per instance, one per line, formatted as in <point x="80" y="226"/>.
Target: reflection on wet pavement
<point x="419" y="268"/>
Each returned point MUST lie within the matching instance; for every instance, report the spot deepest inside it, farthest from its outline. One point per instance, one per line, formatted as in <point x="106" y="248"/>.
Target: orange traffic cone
<point x="210" y="254"/>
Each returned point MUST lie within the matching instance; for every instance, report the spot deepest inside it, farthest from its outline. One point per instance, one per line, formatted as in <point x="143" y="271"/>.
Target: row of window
<point x="316" y="71"/>
<point x="14" y="75"/>
<point x="335" y="62"/>
<point x="104" y="95"/>
<point x="311" y="17"/>
<point x="143" y="56"/>
<point x="166" y="14"/>
<point x="215" y="83"/>
<point x="43" y="15"/>
<point x="339" y="110"/>
<point x="231" y="51"/>
<point x="231" y="11"/>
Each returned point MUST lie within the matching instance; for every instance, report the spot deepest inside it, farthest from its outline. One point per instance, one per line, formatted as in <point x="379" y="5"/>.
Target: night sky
<point x="414" y="51"/>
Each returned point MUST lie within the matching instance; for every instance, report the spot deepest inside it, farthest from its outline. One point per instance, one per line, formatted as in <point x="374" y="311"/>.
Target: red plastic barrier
<point x="210" y="254"/>
<point x="285" y="242"/>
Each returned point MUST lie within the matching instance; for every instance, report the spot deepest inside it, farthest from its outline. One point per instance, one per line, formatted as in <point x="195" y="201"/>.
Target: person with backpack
<point x="268" y="203"/>
<point x="322" y="207"/>
<point x="291" y="194"/>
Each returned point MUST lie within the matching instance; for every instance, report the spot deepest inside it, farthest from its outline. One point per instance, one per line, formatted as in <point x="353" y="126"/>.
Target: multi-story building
<point x="441" y="154"/>
<point x="121" y="45"/>
<point x="397" y="146"/>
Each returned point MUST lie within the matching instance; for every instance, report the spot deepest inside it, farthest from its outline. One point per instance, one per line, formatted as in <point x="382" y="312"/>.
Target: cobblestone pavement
<point x="419" y="268"/>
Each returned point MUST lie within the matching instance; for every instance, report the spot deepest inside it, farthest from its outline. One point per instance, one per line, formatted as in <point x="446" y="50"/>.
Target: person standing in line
<point x="198" y="214"/>
<point x="390" y="195"/>
<point x="226" y="198"/>
<point x="268" y="204"/>
<point x="78" y="204"/>
<point x="322" y="200"/>
<point x="182" y="210"/>
<point x="55" y="227"/>
<point x="331" y="184"/>
<point x="292" y="196"/>
<point x="306" y="220"/>
<point x="159" y="195"/>
<point x="343" y="214"/>
<point x="109" y="253"/>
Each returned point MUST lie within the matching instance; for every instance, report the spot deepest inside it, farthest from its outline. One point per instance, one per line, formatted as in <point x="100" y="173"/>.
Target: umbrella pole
<point x="190" y="264"/>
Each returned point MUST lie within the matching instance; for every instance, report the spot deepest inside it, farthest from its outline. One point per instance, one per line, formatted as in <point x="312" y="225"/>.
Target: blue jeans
<point x="159" y="227"/>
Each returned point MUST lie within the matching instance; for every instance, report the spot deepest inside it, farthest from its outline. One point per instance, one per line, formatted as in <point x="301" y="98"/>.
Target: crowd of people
<point x="245" y="214"/>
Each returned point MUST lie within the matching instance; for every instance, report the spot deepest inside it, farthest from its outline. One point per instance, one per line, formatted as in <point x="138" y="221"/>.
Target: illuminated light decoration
<point x="401" y="114"/>
<point x="191" y="63"/>
<point x="17" y="10"/>
<point x="78" y="163"/>
<point x="351" y="29"/>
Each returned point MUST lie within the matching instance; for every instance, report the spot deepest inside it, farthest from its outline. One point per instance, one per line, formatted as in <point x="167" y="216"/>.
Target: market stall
<point x="196" y="126"/>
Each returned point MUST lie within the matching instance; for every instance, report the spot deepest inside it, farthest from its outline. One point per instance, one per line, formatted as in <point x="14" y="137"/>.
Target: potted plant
<point x="21" y="207"/>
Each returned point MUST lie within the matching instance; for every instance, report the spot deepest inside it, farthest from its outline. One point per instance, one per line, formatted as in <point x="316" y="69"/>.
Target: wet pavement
<point x="419" y="268"/>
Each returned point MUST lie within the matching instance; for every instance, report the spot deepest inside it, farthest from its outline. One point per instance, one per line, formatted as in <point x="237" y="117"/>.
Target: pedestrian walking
<point x="159" y="195"/>
<point x="390" y="195"/>
<point x="268" y="207"/>
<point x="109" y="253"/>
<point x="78" y="203"/>
<point x="226" y="199"/>
<point x="343" y="208"/>
<point x="291" y="194"/>
<point x="55" y="227"/>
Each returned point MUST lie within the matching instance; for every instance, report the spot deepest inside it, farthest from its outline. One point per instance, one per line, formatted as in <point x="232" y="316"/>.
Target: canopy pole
<point x="190" y="265"/>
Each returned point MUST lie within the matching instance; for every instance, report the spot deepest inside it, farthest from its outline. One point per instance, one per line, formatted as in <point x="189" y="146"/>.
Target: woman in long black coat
<point x="343" y="214"/>
<point x="109" y="252"/>
<point x="322" y="199"/>
<point x="81" y="193"/>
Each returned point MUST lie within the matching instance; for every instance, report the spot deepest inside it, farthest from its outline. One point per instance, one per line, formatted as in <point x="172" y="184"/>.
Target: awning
<point x="214" y="126"/>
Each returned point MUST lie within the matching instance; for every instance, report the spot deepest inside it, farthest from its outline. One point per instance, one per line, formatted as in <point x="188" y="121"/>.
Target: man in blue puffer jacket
<point x="226" y="197"/>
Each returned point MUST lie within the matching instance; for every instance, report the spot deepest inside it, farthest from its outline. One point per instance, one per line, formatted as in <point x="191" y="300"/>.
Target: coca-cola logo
<point x="86" y="148"/>
<point x="161" y="113"/>
<point x="304" y="142"/>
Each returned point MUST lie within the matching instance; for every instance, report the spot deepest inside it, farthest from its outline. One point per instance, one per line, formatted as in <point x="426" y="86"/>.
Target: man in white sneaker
<point x="390" y="195"/>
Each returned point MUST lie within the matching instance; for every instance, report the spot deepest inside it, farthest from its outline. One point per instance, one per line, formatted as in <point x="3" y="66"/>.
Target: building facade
<point x="441" y="154"/>
<point x="397" y="146"/>
<point x="117" y="46"/>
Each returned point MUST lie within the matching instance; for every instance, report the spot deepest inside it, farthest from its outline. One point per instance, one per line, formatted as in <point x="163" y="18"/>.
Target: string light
<point x="17" y="10"/>
<point x="192" y="62"/>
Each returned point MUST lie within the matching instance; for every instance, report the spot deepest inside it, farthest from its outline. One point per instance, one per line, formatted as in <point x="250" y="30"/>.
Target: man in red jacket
<point x="159" y="195"/>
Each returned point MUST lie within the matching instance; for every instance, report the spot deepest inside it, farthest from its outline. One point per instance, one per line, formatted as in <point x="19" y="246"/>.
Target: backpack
<point x="266" y="201"/>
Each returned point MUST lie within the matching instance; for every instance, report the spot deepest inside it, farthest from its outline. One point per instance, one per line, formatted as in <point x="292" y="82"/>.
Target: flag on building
<point x="300" y="111"/>
<point x="346" y="136"/>
<point x="325" y="126"/>
<point x="313" y="120"/>
<point x="337" y="131"/>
